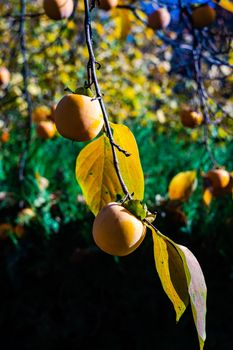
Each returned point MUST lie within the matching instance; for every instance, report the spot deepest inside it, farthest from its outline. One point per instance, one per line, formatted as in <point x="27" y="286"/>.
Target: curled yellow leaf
<point x="182" y="185"/>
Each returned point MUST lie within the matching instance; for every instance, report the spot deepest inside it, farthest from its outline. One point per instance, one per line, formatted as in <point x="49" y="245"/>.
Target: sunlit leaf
<point x="197" y="290"/>
<point x="182" y="278"/>
<point x="96" y="174"/>
<point x="171" y="272"/>
<point x="226" y="4"/>
<point x="207" y="196"/>
<point x="182" y="185"/>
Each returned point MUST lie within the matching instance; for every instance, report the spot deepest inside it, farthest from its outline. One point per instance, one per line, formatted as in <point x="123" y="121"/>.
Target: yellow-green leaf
<point x="197" y="290"/>
<point x="182" y="278"/>
<point x="123" y="21"/>
<point x="96" y="174"/>
<point x="171" y="272"/>
<point x="182" y="185"/>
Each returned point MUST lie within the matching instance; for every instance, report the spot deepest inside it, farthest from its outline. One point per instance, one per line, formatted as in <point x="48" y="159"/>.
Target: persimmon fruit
<point x="5" y="136"/>
<point x="58" y="9"/>
<point x="219" y="178"/>
<point x="107" y="4"/>
<point x="116" y="231"/>
<point x="203" y="16"/>
<point x="41" y="113"/>
<point x="5" y="229"/>
<point x="4" y="77"/>
<point x="159" y="19"/>
<point x="46" y="130"/>
<point x="78" y="117"/>
<point x="190" y="118"/>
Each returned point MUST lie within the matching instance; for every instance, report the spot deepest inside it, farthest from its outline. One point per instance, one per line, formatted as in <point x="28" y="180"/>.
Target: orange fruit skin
<point x="19" y="230"/>
<point x="46" y="130"/>
<point x="4" y="77"/>
<point x="41" y="113"/>
<point x="78" y="117"/>
<point x="219" y="178"/>
<point x="5" y="229"/>
<point x="116" y="231"/>
<point x="190" y="119"/>
<point x="107" y="4"/>
<point x="203" y="16"/>
<point x="58" y="9"/>
<point x="159" y="19"/>
<point x="5" y="137"/>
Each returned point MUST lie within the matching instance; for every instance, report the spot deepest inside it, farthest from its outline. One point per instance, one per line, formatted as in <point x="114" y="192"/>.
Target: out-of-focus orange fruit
<point x="190" y="118"/>
<point x="107" y="4"/>
<point x="46" y="130"/>
<point x="58" y="9"/>
<point x="4" y="77"/>
<point x="159" y="19"/>
<point x="203" y="16"/>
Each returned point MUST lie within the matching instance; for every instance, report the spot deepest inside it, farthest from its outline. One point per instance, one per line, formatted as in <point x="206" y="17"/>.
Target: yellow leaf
<point x="126" y="24"/>
<point x="96" y="174"/>
<point x="123" y="22"/>
<point x="197" y="290"/>
<point x="171" y="273"/>
<point x="182" y="279"/>
<point x="207" y="196"/>
<point x="226" y="4"/>
<point x="182" y="185"/>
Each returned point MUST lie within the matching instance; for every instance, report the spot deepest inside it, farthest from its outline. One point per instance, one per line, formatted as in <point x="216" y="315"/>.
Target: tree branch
<point x="92" y="77"/>
<point x="25" y="73"/>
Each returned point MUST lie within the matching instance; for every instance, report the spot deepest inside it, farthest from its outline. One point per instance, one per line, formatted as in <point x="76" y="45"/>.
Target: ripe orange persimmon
<point x="5" y="136"/>
<point x="116" y="231"/>
<point x="190" y="118"/>
<point x="78" y="117"/>
<point x="46" y="129"/>
<point x="19" y="230"/>
<point x="58" y="9"/>
<point x="203" y="16"/>
<point x="4" y="77"/>
<point x="159" y="19"/>
<point x="219" y="178"/>
<point x="5" y="229"/>
<point x="41" y="113"/>
<point x="107" y="4"/>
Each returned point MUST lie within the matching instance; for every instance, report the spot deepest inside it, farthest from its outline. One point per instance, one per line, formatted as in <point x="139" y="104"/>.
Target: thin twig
<point x="91" y="69"/>
<point x="197" y="48"/>
<point x="25" y="73"/>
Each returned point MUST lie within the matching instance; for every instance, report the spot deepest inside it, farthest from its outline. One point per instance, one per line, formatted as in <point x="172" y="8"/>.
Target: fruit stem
<point x="92" y="79"/>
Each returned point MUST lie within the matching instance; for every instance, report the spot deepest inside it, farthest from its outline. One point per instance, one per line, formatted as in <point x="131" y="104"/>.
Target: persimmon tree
<point x="108" y="169"/>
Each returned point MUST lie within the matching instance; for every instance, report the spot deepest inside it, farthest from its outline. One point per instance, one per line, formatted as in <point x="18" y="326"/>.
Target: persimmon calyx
<point x="139" y="209"/>
<point x="86" y="91"/>
<point x="81" y="90"/>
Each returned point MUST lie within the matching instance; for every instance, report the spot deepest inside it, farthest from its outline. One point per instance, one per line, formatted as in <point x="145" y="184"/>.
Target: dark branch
<point x="92" y="78"/>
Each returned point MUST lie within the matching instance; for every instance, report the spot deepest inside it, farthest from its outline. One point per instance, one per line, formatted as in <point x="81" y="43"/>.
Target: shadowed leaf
<point x="182" y="279"/>
<point x="171" y="272"/>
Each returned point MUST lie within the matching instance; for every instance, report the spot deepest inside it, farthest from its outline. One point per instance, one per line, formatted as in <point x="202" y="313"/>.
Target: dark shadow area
<point x="65" y="294"/>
